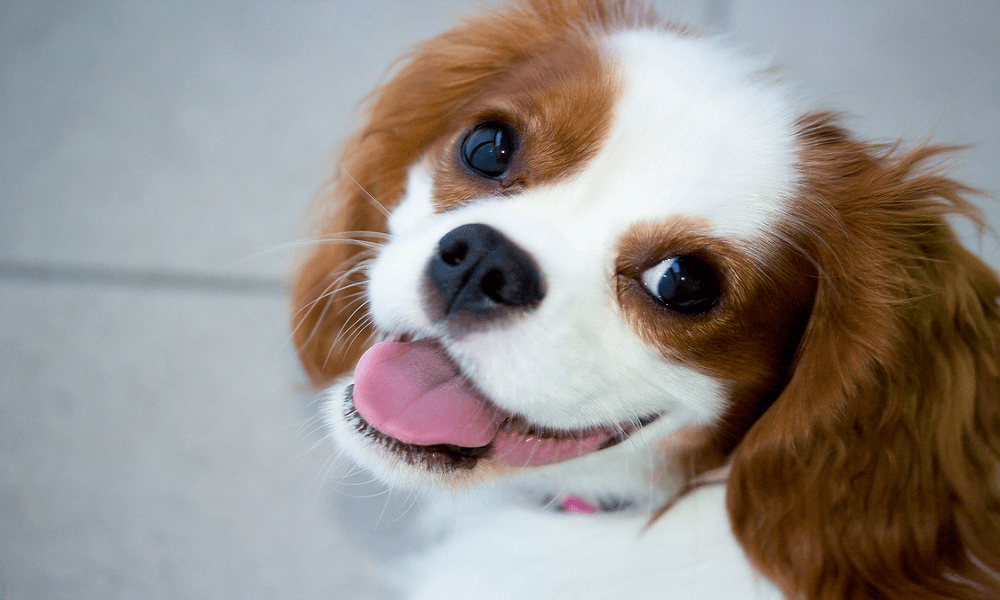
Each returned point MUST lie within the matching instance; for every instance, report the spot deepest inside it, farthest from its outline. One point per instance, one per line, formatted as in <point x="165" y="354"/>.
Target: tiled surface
<point x="184" y="135"/>
<point x="152" y="439"/>
<point x="153" y="446"/>
<point x="898" y="69"/>
<point x="153" y="443"/>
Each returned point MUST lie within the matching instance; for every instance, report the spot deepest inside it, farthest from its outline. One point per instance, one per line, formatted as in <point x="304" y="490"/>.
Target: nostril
<point x="492" y="286"/>
<point x="454" y="252"/>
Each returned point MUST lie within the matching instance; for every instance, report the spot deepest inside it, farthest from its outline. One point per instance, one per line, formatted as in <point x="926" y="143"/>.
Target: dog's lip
<point x="449" y="457"/>
<point x="515" y="439"/>
<point x="443" y="456"/>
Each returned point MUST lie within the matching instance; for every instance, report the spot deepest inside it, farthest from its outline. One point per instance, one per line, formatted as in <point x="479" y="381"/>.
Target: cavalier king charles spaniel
<point x="692" y="337"/>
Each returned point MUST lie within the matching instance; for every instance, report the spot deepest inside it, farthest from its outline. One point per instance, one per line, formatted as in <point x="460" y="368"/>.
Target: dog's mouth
<point x="412" y="398"/>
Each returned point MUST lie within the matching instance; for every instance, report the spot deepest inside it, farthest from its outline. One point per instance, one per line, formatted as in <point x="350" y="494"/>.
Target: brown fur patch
<point x="560" y="102"/>
<point x="873" y="474"/>
<point x="747" y="339"/>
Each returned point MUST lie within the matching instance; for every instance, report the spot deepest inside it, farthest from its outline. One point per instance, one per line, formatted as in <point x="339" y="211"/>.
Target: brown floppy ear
<point x="875" y="472"/>
<point x="329" y="328"/>
<point x="330" y="323"/>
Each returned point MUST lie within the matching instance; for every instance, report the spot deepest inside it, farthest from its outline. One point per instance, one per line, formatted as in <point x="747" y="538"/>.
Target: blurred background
<point x="156" y="436"/>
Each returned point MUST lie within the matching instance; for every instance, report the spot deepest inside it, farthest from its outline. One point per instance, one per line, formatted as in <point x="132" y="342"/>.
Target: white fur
<point x="497" y="549"/>
<point x="702" y="131"/>
<point x="699" y="132"/>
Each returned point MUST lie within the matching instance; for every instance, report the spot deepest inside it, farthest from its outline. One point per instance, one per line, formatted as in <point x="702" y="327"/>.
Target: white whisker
<point x="378" y="205"/>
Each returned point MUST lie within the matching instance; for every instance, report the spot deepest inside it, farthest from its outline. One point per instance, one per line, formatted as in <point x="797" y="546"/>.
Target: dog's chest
<point x="491" y="550"/>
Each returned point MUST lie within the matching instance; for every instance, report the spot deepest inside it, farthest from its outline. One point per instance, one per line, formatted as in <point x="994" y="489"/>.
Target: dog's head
<point x="572" y="242"/>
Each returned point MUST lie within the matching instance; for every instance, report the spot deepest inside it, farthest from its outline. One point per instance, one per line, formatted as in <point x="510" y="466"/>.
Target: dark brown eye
<point x="489" y="149"/>
<point x="685" y="284"/>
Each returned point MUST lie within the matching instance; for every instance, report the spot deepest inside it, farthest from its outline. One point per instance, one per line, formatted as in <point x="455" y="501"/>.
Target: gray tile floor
<point x="155" y="438"/>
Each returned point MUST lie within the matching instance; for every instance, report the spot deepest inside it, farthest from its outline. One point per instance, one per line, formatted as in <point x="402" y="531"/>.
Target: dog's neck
<point x="580" y="504"/>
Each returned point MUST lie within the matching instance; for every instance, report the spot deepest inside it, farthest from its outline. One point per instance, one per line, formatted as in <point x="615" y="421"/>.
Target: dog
<point x="689" y="335"/>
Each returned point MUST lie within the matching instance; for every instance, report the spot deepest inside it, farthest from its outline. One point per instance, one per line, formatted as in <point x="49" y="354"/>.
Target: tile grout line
<point x="140" y="278"/>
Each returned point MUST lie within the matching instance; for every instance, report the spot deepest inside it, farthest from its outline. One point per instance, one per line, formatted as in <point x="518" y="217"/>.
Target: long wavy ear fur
<point x="412" y="110"/>
<point x="875" y="472"/>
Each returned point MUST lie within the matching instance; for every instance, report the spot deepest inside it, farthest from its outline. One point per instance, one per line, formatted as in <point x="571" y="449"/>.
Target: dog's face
<point x="584" y="258"/>
<point x="604" y="256"/>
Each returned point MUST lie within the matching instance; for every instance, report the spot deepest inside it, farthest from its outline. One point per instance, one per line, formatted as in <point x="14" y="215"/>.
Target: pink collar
<point x="576" y="504"/>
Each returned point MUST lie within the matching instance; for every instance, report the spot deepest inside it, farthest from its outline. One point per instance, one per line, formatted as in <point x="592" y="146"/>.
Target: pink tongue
<point x="413" y="392"/>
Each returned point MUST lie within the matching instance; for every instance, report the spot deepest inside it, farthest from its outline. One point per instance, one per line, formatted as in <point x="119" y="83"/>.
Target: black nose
<point x="478" y="271"/>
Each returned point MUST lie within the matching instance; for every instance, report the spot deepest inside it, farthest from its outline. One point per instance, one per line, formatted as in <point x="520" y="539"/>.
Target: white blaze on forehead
<point x="417" y="204"/>
<point x="699" y="131"/>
